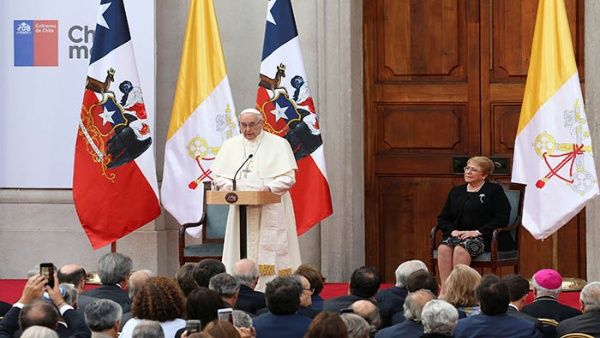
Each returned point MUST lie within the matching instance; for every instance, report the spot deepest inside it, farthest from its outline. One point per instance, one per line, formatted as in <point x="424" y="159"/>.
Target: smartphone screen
<point x="192" y="326"/>
<point x="225" y="314"/>
<point x="47" y="270"/>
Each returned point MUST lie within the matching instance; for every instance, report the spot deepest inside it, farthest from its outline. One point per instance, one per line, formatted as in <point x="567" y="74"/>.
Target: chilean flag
<point x="114" y="179"/>
<point x="284" y="100"/>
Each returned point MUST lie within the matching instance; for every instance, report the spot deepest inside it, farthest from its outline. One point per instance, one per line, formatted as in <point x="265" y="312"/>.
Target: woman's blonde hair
<point x="486" y="165"/>
<point x="461" y="286"/>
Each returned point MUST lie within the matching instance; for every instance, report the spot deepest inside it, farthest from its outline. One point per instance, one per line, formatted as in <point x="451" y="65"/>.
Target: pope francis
<point x="272" y="236"/>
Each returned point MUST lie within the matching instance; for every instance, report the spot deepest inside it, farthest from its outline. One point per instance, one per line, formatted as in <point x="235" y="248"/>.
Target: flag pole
<point x="113" y="247"/>
<point x="555" y="251"/>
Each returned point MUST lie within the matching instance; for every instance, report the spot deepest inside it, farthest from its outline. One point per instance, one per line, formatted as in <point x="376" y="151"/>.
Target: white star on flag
<point x="279" y="112"/>
<point x="107" y="116"/>
<point x="101" y="20"/>
<point x="269" y="15"/>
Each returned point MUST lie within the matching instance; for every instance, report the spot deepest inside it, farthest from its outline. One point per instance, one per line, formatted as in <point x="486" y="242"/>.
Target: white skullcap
<point x="251" y="111"/>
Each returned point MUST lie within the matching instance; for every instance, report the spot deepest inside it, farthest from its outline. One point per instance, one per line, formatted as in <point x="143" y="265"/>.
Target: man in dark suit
<point x="283" y="300"/>
<point x="390" y="301"/>
<point x="76" y="275"/>
<point x="103" y="317"/>
<point x="547" y="285"/>
<point x="364" y="283"/>
<point x="114" y="270"/>
<point x="413" y="307"/>
<point x="589" y="321"/>
<point x="493" y="321"/>
<point x="227" y="286"/>
<point x="246" y="271"/>
<point x="30" y="310"/>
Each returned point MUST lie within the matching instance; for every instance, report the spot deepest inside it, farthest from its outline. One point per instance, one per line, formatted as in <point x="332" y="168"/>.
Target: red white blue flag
<point x="114" y="179"/>
<point x="284" y="100"/>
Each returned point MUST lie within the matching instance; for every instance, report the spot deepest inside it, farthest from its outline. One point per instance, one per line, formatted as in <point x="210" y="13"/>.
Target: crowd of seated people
<point x="139" y="304"/>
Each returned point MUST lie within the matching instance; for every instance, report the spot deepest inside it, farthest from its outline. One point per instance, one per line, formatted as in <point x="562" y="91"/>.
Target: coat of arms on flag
<point x="114" y="178"/>
<point x="284" y="100"/>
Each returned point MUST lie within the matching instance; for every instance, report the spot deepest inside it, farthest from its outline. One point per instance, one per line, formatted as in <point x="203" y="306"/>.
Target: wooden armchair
<point x="495" y="258"/>
<point x="213" y="221"/>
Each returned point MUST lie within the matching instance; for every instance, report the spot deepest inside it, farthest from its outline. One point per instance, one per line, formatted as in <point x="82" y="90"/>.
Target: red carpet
<point x="10" y="291"/>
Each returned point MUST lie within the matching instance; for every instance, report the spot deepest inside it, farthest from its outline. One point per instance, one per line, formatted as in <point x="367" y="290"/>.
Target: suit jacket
<point x="390" y="301"/>
<point x="317" y="302"/>
<point x="588" y="322"/>
<point x="249" y="300"/>
<point x="4" y="307"/>
<point x="548" y="332"/>
<point x="498" y="326"/>
<point x="338" y="303"/>
<point x="548" y="307"/>
<point x="75" y="321"/>
<point x="408" y="329"/>
<point x="269" y="325"/>
<point x="112" y="292"/>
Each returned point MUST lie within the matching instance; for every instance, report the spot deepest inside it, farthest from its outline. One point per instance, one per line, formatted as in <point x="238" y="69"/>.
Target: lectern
<point x="242" y="199"/>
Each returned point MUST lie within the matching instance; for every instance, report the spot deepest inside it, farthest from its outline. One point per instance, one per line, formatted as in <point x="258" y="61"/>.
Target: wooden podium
<point x="242" y="199"/>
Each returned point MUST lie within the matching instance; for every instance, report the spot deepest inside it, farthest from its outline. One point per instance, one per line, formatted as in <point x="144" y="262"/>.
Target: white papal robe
<point x="272" y="236"/>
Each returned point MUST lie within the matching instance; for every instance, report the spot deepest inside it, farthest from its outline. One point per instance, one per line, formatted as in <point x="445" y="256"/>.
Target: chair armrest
<point x="434" y="231"/>
<point x="496" y="234"/>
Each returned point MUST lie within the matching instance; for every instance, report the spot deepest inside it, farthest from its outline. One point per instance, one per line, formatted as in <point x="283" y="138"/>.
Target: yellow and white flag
<point x="203" y="116"/>
<point x="553" y="148"/>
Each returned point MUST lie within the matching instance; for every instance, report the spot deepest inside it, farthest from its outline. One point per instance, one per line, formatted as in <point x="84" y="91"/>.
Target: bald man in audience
<point x="369" y="311"/>
<point x="136" y="282"/>
<point x="249" y="300"/>
<point x="76" y="275"/>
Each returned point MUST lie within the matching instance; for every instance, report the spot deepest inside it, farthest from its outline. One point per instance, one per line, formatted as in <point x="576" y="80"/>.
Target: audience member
<point x="411" y="327"/>
<point x="589" y="321"/>
<point x="316" y="280"/>
<point x="494" y="298"/>
<point x="103" y="317"/>
<point x="364" y="283"/>
<point x="159" y="299"/>
<point x="4" y="307"/>
<point x="369" y="311"/>
<point x="148" y="329"/>
<point x="76" y="275"/>
<point x="249" y="300"/>
<point x="357" y="326"/>
<point x="37" y="331"/>
<point x="391" y="301"/>
<point x="283" y="300"/>
<point x="418" y="280"/>
<point x="518" y="289"/>
<point x="136" y="282"/>
<point x="305" y="298"/>
<point x="206" y="269"/>
<point x="221" y="329"/>
<point x="439" y="319"/>
<point x="70" y="294"/>
<point x="327" y="325"/>
<point x="547" y="284"/>
<point x="114" y="269"/>
<point x="227" y="286"/>
<point x="30" y="310"/>
<point x="460" y="290"/>
<point x="203" y="304"/>
<point x="185" y="278"/>
<point x="243" y="323"/>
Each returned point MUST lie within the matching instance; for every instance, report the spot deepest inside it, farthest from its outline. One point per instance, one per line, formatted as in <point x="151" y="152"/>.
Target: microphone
<point x="238" y="171"/>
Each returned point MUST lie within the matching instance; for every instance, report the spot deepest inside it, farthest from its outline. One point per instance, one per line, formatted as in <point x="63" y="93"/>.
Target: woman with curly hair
<point x="460" y="290"/>
<point x="159" y="299"/>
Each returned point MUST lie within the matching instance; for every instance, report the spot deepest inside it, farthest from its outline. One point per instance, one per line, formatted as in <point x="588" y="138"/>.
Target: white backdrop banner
<point x="43" y="67"/>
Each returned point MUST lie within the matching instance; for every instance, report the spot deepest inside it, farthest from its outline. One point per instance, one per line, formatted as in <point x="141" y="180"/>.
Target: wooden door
<point x="444" y="81"/>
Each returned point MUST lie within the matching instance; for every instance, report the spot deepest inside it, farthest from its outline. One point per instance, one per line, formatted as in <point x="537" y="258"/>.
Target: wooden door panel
<point x="421" y="39"/>
<point x="424" y="128"/>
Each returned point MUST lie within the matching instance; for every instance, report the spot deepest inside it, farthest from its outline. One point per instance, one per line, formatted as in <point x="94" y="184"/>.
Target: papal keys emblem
<point x="565" y="161"/>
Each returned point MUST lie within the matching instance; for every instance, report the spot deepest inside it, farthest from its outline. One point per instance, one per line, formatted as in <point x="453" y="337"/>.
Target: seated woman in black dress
<point x="470" y="215"/>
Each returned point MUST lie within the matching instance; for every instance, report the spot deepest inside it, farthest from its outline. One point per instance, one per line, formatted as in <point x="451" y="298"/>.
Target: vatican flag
<point x="553" y="148"/>
<point x="203" y="116"/>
